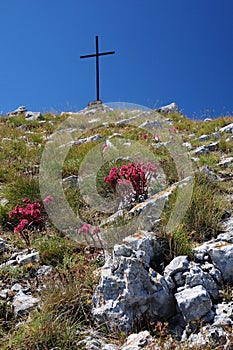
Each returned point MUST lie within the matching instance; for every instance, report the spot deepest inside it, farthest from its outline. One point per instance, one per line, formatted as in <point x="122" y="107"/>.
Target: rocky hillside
<point x="116" y="230"/>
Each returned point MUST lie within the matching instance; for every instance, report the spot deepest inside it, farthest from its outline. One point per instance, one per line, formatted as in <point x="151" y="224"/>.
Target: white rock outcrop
<point x="171" y="108"/>
<point x="135" y="288"/>
<point x="228" y="128"/>
<point x="130" y="291"/>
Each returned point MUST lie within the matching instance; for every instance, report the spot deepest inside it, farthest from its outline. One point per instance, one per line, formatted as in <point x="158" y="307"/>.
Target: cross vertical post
<point x="97" y="68"/>
<point x="96" y="55"/>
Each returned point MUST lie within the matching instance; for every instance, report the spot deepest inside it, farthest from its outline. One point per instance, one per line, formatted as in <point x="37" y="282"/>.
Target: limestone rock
<point x="94" y="108"/>
<point x="224" y="314"/>
<point x="209" y="337"/>
<point x="225" y="162"/>
<point x="187" y="274"/>
<point x="147" y="247"/>
<point x="228" y="128"/>
<point x="221" y="254"/>
<point x="178" y="264"/>
<point x="129" y="293"/>
<point x="196" y="276"/>
<point x="25" y="259"/>
<point x="171" y="108"/>
<point x="227" y="225"/>
<point x="204" y="137"/>
<point x="214" y="146"/>
<point x="43" y="270"/>
<point x="193" y="302"/>
<point x="137" y="341"/>
<point x="19" y="111"/>
<point x="33" y="115"/>
<point x="22" y="303"/>
<point x="216" y="135"/>
<point x="200" y="150"/>
<point x="131" y="289"/>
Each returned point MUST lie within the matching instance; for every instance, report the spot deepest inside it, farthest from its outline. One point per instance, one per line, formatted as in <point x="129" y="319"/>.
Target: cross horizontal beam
<point x="100" y="54"/>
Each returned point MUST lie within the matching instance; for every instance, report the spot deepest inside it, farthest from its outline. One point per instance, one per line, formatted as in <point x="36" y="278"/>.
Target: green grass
<point x="206" y="209"/>
<point x="66" y="302"/>
<point x="22" y="187"/>
<point x="201" y="221"/>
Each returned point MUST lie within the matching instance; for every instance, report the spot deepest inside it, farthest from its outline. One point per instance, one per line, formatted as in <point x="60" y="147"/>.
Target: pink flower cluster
<point x="86" y="227"/>
<point x="137" y="175"/>
<point x="48" y="199"/>
<point x="28" y="215"/>
<point x="148" y="137"/>
<point x="93" y="233"/>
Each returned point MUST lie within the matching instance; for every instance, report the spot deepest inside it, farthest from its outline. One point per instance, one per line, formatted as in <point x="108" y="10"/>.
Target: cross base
<point x="95" y="103"/>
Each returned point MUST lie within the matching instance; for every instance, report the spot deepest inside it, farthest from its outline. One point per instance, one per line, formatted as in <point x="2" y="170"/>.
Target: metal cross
<point x="96" y="55"/>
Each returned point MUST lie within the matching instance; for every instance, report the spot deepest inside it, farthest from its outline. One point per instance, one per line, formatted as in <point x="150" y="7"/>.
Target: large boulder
<point x="193" y="303"/>
<point x="188" y="274"/>
<point x="220" y="251"/>
<point x="130" y="291"/>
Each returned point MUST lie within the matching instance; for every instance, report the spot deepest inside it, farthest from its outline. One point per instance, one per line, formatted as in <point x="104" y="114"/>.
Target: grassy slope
<point x="67" y="302"/>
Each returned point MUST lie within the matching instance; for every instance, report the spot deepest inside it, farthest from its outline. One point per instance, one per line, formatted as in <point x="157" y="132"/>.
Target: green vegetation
<point x="65" y="308"/>
<point x="64" y="312"/>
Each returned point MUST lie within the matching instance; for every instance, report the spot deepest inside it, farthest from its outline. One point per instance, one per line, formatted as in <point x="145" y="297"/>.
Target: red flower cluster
<point x="136" y="174"/>
<point x="30" y="215"/>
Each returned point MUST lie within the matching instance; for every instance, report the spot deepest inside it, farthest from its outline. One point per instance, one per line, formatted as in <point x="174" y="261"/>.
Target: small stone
<point x="138" y="341"/>
<point x="195" y="159"/>
<point x="44" y="270"/>
<point x="33" y="115"/>
<point x="70" y="181"/>
<point x="2" y="244"/>
<point x="9" y="263"/>
<point x="225" y="162"/>
<point x="200" y="150"/>
<point x="6" y="139"/>
<point x="28" y="258"/>
<point x="3" y="293"/>
<point x="187" y="145"/>
<point x="16" y="287"/>
<point x="22" y="303"/>
<point x="216" y="135"/>
<point x="214" y="146"/>
<point x="204" y="137"/>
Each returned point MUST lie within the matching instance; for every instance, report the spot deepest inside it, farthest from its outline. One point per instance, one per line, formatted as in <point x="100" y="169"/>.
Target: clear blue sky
<point x="166" y="51"/>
